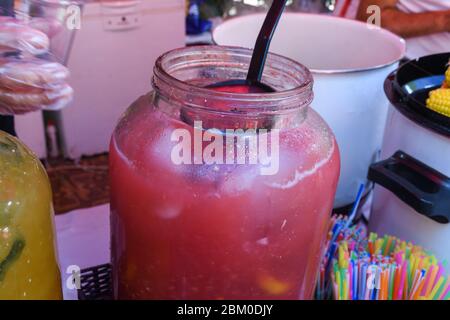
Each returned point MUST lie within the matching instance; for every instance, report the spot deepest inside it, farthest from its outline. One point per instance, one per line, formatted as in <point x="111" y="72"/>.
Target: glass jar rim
<point x="297" y="96"/>
<point x="58" y="3"/>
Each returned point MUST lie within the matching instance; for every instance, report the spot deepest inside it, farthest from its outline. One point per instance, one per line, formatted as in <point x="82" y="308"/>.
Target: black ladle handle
<point x="263" y="41"/>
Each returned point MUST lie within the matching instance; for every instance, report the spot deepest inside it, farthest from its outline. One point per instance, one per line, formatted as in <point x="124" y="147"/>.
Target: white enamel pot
<point x="349" y="61"/>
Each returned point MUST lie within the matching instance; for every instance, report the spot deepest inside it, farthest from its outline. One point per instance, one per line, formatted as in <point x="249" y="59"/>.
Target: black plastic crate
<point x="96" y="283"/>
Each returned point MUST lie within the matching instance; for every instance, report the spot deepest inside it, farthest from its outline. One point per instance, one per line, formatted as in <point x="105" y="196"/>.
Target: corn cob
<point x="439" y="101"/>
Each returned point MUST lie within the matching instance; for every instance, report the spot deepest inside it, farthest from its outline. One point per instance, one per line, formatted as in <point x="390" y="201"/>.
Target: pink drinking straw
<point x="350" y="280"/>
<point x="439" y="274"/>
<point x="402" y="281"/>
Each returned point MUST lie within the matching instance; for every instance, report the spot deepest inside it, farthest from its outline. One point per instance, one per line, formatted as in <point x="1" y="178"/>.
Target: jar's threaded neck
<point x="181" y="75"/>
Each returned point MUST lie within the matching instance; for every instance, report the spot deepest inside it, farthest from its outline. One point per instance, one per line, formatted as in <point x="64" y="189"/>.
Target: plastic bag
<point x="16" y="35"/>
<point x="30" y="74"/>
<point x="32" y="84"/>
<point x="50" y="26"/>
<point x="20" y="103"/>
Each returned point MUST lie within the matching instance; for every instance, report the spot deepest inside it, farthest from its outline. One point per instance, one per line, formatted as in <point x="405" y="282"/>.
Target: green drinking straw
<point x="441" y="288"/>
<point x="391" y="281"/>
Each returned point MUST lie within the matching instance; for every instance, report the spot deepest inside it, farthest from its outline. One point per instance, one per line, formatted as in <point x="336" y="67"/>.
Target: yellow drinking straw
<point x="431" y="281"/>
<point x="436" y="288"/>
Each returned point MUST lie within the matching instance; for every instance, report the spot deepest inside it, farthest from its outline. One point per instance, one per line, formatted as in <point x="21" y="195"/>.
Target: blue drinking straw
<point x="355" y="206"/>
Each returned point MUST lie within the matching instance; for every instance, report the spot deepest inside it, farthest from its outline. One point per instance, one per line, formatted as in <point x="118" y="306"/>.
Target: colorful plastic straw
<point x="370" y="267"/>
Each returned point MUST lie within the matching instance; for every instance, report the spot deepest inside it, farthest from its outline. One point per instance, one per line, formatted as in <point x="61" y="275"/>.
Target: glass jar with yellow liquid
<point x="28" y="262"/>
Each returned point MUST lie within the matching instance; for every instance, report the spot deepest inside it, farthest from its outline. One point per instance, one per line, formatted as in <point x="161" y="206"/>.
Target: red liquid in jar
<point x="218" y="232"/>
<point x="239" y="89"/>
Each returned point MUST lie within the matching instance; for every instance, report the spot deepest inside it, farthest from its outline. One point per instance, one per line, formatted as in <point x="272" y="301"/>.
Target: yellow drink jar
<point x="28" y="263"/>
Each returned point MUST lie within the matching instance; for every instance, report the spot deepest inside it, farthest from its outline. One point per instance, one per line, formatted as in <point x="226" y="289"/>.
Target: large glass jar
<point x="186" y="225"/>
<point x="28" y="265"/>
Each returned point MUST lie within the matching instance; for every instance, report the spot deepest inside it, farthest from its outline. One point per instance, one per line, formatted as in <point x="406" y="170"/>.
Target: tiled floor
<point x="79" y="185"/>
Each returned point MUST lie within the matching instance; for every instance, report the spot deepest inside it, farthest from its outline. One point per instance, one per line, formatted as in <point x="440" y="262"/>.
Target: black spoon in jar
<point x="253" y="82"/>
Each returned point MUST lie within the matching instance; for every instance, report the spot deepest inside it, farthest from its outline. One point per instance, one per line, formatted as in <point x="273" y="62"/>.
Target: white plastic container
<point x="111" y="58"/>
<point x="412" y="195"/>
